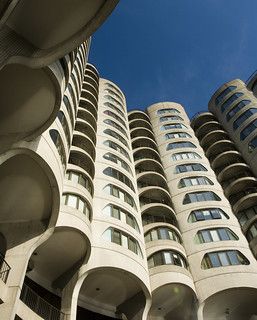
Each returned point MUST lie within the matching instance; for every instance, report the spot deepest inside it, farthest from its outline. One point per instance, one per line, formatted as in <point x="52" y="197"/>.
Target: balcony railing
<point x="4" y="269"/>
<point x="236" y="197"/>
<point x="39" y="305"/>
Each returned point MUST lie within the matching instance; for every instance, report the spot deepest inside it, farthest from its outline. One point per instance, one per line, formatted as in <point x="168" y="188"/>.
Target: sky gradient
<point x="176" y="50"/>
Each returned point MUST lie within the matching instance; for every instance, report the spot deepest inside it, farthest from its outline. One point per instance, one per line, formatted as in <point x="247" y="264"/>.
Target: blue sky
<point x="176" y="50"/>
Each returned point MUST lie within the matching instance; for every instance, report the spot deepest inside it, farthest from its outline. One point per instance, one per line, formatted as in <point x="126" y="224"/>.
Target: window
<point x="237" y="108"/>
<point x="194" y="181"/>
<point x="248" y="129"/>
<point x="57" y="140"/>
<point x="65" y="126"/>
<point x="252" y="144"/>
<point x="181" y="144"/>
<point x="121" y="194"/>
<point x="173" y="126"/>
<point x="111" y="172"/>
<point x="162" y="233"/>
<point x="111" y="92"/>
<point x="206" y="214"/>
<point x="200" y="196"/>
<point x="116" y="147"/>
<point x="252" y="232"/>
<point x="212" y="235"/>
<point x="116" y="126"/>
<point x="114" y="101"/>
<point x="185" y="155"/>
<point x="118" y="213"/>
<point x="167" y="111"/>
<point x="116" y="136"/>
<point x="246" y="215"/>
<point x="189" y="167"/>
<point x="76" y="202"/>
<point x="71" y="91"/>
<point x="175" y="135"/>
<point x="123" y="239"/>
<point x="113" y="115"/>
<point x="224" y="93"/>
<point x="114" y="88"/>
<point x="223" y="259"/>
<point x="111" y="157"/>
<point x="241" y="119"/>
<point x="170" y="118"/>
<point x="112" y="106"/>
<point x="69" y="109"/>
<point x="148" y="219"/>
<point x="230" y="100"/>
<point x="166" y="257"/>
<point x="79" y="178"/>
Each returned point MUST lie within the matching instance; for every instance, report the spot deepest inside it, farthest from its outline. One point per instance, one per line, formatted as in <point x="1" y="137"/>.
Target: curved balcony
<point x="219" y="147"/>
<point x="206" y="128"/>
<point x="231" y="170"/>
<point x="200" y="118"/>
<point x="87" y="116"/>
<point x="238" y="183"/>
<point x="88" y="106"/>
<point x="49" y="30"/>
<point x="212" y="137"/>
<point x="88" y="79"/>
<point x="243" y="199"/>
<point x="85" y="128"/>
<point x="81" y="141"/>
<point x="159" y="213"/>
<point x="85" y="94"/>
<point x="138" y="114"/>
<point x="87" y="86"/>
<point x="150" y="195"/>
<point x="142" y="132"/>
<point x="91" y="69"/>
<point x="144" y="142"/>
<point x="151" y="178"/>
<point x="231" y="160"/>
<point x="81" y="159"/>
<point x="226" y="159"/>
<point x="35" y="104"/>
<point x="139" y="123"/>
<point x="144" y="165"/>
<point x="146" y="153"/>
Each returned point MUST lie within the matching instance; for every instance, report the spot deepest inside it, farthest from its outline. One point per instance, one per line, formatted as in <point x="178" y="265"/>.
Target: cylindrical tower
<point x="170" y="278"/>
<point x="217" y="251"/>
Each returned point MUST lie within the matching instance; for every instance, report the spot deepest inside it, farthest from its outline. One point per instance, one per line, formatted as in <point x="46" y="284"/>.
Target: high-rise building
<point x="107" y="214"/>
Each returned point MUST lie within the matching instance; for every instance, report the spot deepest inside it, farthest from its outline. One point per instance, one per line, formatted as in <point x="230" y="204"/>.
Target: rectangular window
<point x="167" y="258"/>
<point x="206" y="236"/>
<point x="116" y="237"/>
<point x="214" y="235"/>
<point x="223" y="259"/>
<point x="215" y="262"/>
<point x="72" y="201"/>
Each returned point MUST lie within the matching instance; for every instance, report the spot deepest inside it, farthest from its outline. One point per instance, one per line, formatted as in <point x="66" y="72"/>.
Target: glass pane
<point x="214" y="259"/>
<point x="223" y="234"/>
<point x="168" y="258"/>
<point x="72" y="201"/>
<point x="108" y="235"/>
<point x="214" y="235"/>
<point x="206" y="236"/>
<point x="116" y="237"/>
<point x="223" y="258"/>
<point x="81" y="205"/>
<point x="233" y="257"/>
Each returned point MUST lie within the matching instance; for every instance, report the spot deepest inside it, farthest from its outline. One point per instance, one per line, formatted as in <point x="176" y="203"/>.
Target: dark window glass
<point x="241" y="119"/>
<point x="237" y="108"/>
<point x="248" y="129"/>
<point x="230" y="100"/>
<point x="224" y="93"/>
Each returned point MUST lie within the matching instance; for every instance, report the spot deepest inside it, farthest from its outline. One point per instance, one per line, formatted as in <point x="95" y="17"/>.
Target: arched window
<point x="185" y="155"/>
<point x="223" y="259"/>
<point x="174" y="135"/>
<point x="114" y="101"/>
<point x="194" y="181"/>
<point x="166" y="257"/>
<point x="119" y="213"/>
<point x="112" y="106"/>
<point x="237" y="108"/>
<point x="111" y="157"/>
<point x="81" y="179"/>
<point x="221" y="96"/>
<point x="111" y="92"/>
<point x="116" y="126"/>
<point x="248" y="129"/>
<point x="113" y="115"/>
<point x="173" y="126"/>
<point x="217" y="234"/>
<point x="168" y="111"/>
<point x="116" y="174"/>
<point x="170" y="118"/>
<point x="76" y="202"/>
<point x="116" y="136"/>
<point x="162" y="233"/>
<point x="200" y="196"/>
<point x="244" y="116"/>
<point x="123" y="239"/>
<point x="230" y="100"/>
<point x="207" y="214"/>
<point x="118" y="148"/>
<point x="57" y="140"/>
<point x="187" y="167"/>
<point x="119" y="193"/>
<point x="180" y="144"/>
